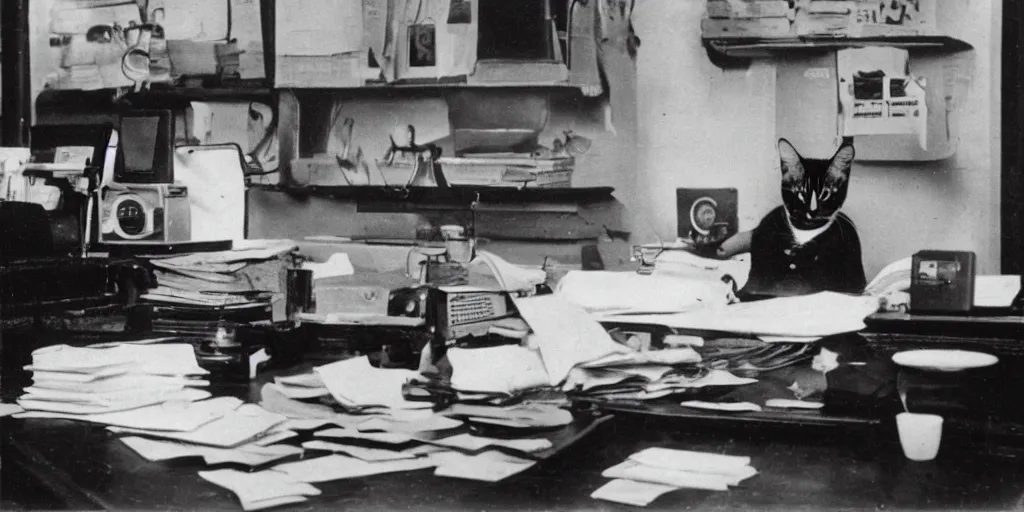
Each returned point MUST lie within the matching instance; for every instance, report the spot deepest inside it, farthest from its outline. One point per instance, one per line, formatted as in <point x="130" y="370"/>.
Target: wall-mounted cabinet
<point x="889" y="74"/>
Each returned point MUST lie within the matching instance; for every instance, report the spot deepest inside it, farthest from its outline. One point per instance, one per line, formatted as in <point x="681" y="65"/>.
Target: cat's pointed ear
<point x="792" y="165"/>
<point x="842" y="161"/>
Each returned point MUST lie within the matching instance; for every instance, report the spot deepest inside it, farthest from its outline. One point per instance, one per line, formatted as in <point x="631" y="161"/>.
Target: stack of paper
<point x="93" y="381"/>
<point x="647" y="474"/>
<point x="219" y="279"/>
<point x="502" y="369"/>
<point x="646" y="375"/>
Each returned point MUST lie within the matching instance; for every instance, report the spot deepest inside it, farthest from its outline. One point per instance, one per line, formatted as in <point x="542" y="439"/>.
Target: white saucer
<point x="944" y="360"/>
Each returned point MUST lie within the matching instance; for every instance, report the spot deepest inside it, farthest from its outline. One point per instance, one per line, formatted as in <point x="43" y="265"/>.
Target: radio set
<point x="143" y="204"/>
<point x="468" y="313"/>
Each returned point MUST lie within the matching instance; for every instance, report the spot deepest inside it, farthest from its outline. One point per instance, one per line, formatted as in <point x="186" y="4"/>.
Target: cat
<point x="806" y="245"/>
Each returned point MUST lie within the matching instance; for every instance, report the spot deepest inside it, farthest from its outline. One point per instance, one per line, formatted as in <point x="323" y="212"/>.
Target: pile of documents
<point x="646" y="375"/>
<point x="508" y="170"/>
<point x="224" y="279"/>
<point x="94" y="383"/>
<point x="649" y="473"/>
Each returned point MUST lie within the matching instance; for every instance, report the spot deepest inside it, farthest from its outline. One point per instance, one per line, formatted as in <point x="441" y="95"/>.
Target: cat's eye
<point x="800" y="195"/>
<point x="825" y="194"/>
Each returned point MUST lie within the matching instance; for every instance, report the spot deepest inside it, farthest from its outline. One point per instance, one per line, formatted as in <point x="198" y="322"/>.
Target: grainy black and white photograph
<point x="511" y="255"/>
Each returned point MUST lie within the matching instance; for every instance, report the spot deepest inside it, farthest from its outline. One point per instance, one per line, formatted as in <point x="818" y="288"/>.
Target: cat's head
<point x="813" y="191"/>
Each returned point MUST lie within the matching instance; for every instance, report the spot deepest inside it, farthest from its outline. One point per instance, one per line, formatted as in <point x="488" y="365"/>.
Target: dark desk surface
<point x="812" y="468"/>
<point x="808" y="467"/>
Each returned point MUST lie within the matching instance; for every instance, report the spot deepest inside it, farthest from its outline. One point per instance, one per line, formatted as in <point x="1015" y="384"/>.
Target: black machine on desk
<point x="117" y="197"/>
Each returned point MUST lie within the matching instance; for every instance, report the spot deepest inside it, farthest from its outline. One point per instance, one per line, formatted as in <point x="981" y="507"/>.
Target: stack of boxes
<point x="818" y="18"/>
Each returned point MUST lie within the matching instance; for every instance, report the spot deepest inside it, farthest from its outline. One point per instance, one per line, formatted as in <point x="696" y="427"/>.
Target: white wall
<point x="701" y="126"/>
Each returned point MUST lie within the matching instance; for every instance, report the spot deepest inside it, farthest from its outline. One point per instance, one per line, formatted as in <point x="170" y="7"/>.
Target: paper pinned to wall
<point x="318" y="27"/>
<point x="878" y="96"/>
<point x="247" y="29"/>
<point x="192" y="20"/>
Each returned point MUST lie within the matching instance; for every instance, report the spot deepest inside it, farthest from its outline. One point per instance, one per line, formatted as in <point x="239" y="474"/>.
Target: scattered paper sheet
<point x="628" y="292"/>
<point x="629" y="492"/>
<point x="686" y="460"/>
<point x="305" y="380"/>
<point x="168" y="417"/>
<point x="785" y="403"/>
<point x="263" y="489"/>
<point x="337" y="265"/>
<point x="338" y="467"/>
<point x="231" y="429"/>
<point x="274" y="400"/>
<point x="669" y="356"/>
<point x="9" y="409"/>
<point x="385" y="424"/>
<point x="302" y="393"/>
<point x="565" y="334"/>
<point x="521" y="416"/>
<point x="995" y="291"/>
<point x="789" y="339"/>
<point x="713" y="378"/>
<point x="722" y="406"/>
<point x="354" y="381"/>
<point x="632" y="470"/>
<point x="336" y="27"/>
<point x="250" y="455"/>
<point x="492" y="272"/>
<point x="501" y="369"/>
<point x="820" y="314"/>
<point x="274" y="436"/>
<point x="351" y="433"/>
<point x="473" y="443"/>
<point x="359" y="452"/>
<point x="489" y="466"/>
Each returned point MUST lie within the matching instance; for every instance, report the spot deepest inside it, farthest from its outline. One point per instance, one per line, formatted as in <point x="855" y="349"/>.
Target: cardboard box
<point x="763" y="27"/>
<point x="764" y="9"/>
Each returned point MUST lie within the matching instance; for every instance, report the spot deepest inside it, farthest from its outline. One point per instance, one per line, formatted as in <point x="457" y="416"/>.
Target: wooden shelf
<point x="743" y="47"/>
<point x="457" y="197"/>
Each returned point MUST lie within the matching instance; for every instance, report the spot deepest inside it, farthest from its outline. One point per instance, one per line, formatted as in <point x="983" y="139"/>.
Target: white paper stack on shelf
<point x="83" y="383"/>
<point x="508" y="170"/>
<point x="647" y="474"/>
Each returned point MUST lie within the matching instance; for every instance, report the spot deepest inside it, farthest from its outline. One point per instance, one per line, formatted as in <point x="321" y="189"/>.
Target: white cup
<point x="920" y="434"/>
